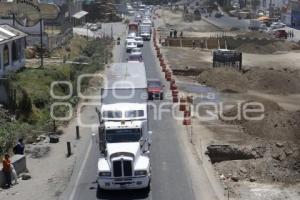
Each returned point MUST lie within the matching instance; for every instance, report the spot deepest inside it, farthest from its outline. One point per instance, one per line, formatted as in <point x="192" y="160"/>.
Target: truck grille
<point x="122" y="168"/>
<point x="127" y="168"/>
<point x="117" y="167"/>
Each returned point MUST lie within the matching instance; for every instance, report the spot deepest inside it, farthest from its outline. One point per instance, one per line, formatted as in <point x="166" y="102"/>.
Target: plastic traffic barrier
<point x="187" y="113"/>
<point x="175" y="99"/>
<point x="190" y="99"/>
<point x="174" y="93"/>
<point x="187" y="121"/>
<point x="182" y="105"/>
<point x="173" y="86"/>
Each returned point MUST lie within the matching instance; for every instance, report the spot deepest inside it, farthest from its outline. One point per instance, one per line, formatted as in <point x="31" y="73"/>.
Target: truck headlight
<point x="104" y="174"/>
<point x="140" y="173"/>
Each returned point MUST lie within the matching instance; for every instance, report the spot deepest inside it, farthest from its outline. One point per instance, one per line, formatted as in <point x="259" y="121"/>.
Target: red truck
<point x="133" y="27"/>
<point x="280" y="34"/>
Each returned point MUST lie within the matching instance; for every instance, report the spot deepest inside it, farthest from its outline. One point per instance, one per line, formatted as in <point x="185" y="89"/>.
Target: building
<point x="12" y="49"/>
<point x="291" y="13"/>
<point x="267" y="4"/>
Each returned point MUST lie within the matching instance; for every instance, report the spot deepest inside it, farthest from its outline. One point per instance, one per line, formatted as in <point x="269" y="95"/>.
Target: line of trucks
<point x="124" y="136"/>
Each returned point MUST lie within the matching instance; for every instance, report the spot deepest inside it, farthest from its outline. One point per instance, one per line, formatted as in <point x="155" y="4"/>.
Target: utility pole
<point x="41" y="41"/>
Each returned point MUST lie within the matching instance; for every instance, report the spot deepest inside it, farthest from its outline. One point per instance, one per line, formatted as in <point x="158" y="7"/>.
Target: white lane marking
<point x="81" y="171"/>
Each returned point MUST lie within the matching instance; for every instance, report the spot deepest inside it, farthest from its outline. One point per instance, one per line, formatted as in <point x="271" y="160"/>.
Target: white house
<point x="12" y="49"/>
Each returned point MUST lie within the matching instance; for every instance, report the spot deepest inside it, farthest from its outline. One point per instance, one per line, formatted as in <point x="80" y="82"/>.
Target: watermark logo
<point x="206" y="107"/>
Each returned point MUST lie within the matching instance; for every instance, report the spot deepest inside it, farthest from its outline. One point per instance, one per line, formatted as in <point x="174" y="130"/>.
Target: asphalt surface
<point x="170" y="176"/>
<point x="226" y="22"/>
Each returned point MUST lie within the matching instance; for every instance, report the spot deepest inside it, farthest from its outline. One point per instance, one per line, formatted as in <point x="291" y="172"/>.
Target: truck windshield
<point x="134" y="113"/>
<point x="112" y="114"/>
<point x="123" y="135"/>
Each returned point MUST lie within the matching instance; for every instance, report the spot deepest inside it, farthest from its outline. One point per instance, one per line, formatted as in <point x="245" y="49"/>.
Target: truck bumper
<point x="124" y="183"/>
<point x="146" y="37"/>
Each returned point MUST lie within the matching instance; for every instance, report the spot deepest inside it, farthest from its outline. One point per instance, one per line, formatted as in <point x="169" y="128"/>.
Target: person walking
<point x="7" y="170"/>
<point x="194" y="44"/>
<point x="175" y="34"/>
<point x="171" y="34"/>
<point x="181" y="34"/>
<point x="19" y="148"/>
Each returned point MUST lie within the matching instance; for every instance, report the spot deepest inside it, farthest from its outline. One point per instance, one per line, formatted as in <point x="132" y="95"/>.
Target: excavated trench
<point x="219" y="153"/>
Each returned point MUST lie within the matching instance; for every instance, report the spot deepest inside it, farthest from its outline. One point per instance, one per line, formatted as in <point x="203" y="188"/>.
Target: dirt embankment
<point x="264" y="80"/>
<point x="276" y="162"/>
<point x="273" y="153"/>
<point x="257" y="47"/>
<point x="272" y="47"/>
<point x="223" y="79"/>
<point x="274" y="124"/>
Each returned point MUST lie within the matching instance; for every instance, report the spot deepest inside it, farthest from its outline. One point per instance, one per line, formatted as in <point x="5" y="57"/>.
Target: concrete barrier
<point x="19" y="163"/>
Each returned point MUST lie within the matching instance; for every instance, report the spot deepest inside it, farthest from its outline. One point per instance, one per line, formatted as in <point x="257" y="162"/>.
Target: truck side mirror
<point x="147" y="153"/>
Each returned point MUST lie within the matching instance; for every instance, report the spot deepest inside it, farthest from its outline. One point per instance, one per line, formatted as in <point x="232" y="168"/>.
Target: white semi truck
<point x="124" y="138"/>
<point x="145" y="31"/>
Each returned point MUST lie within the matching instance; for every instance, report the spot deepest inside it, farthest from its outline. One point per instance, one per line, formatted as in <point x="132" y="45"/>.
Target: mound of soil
<point x="260" y="79"/>
<point x="273" y="81"/>
<point x="276" y="124"/>
<point x="268" y="48"/>
<point x="224" y="79"/>
<point x="250" y="104"/>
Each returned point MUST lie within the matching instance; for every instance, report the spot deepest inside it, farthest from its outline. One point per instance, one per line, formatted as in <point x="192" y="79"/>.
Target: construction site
<point x="253" y="159"/>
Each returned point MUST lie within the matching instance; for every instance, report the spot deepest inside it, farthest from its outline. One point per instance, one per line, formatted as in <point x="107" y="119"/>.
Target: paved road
<point x="227" y="22"/>
<point x="174" y="171"/>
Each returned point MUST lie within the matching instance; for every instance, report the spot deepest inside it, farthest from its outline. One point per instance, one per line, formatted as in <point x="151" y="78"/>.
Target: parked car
<point x="88" y="25"/>
<point x="263" y="28"/>
<point x="155" y="89"/>
<point x="139" y="41"/>
<point x="218" y="15"/>
<point x="276" y="25"/>
<point x="280" y="34"/>
<point x="130" y="44"/>
<point x="94" y="27"/>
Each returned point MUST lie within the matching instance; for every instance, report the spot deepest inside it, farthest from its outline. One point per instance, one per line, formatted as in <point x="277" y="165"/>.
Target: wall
<point x="19" y="163"/>
<point x="214" y="43"/>
<point x="13" y="64"/>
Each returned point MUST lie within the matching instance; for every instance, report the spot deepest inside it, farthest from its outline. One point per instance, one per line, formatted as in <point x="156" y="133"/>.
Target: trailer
<point x="133" y="27"/>
<point x="124" y="136"/>
<point x="125" y="83"/>
<point x="145" y="31"/>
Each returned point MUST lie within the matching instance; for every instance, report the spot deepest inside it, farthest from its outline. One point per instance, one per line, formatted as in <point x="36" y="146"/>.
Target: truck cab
<point x="129" y="114"/>
<point x="125" y="165"/>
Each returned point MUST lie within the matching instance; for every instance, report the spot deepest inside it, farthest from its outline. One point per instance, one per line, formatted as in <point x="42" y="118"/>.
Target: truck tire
<point x="161" y="96"/>
<point x="100" y="192"/>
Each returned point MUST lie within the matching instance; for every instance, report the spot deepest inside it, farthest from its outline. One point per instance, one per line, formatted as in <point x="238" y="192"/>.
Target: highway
<point x="226" y="22"/>
<point x="175" y="173"/>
